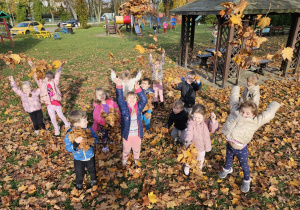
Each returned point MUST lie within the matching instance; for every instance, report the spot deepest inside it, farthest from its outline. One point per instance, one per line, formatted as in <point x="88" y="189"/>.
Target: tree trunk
<point x="72" y="10"/>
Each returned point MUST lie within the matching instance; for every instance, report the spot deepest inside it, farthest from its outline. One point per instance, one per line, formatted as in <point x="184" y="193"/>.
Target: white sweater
<point x="128" y="86"/>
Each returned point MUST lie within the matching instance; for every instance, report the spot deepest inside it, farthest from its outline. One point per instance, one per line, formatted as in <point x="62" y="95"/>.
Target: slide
<point x="198" y="17"/>
<point x="137" y="30"/>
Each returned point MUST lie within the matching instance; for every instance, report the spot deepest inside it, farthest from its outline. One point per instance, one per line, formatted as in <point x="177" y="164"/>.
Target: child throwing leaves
<point x="51" y="96"/>
<point x="157" y="77"/>
<point x="31" y="103"/>
<point x="146" y="113"/>
<point x="188" y="90"/>
<point x="239" y="129"/>
<point x="179" y="118"/>
<point x="103" y="104"/>
<point x="251" y="91"/>
<point x="131" y="121"/>
<point x="198" y="130"/>
<point x="127" y="81"/>
<point x="80" y="140"/>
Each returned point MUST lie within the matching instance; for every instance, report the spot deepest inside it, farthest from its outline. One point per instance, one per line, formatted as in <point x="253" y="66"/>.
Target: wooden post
<point x="181" y="40"/>
<point x="227" y="55"/>
<point x="291" y="43"/>
<point x="191" y="47"/>
<point x="187" y="40"/>
<point x="217" y="48"/>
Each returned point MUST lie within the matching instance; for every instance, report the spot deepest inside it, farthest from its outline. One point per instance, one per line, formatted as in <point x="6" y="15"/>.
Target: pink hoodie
<point x="98" y="120"/>
<point x="165" y="25"/>
<point x="199" y="134"/>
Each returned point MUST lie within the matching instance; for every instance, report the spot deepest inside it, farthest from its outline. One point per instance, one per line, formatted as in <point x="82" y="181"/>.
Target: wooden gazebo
<point x="224" y="66"/>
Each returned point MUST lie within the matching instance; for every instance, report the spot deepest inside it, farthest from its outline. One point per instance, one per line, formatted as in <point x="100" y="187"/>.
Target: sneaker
<point x="162" y="106"/>
<point x="135" y="161"/>
<point x="37" y="132"/>
<point x="224" y="173"/>
<point x="105" y="149"/>
<point x="93" y="183"/>
<point x="124" y="162"/>
<point x="155" y="104"/>
<point x="148" y="131"/>
<point x="175" y="140"/>
<point x="186" y="170"/>
<point x="245" y="187"/>
<point x="79" y="186"/>
<point x="56" y="132"/>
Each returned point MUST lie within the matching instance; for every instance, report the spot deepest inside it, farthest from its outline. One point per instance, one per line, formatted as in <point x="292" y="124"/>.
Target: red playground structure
<point x="5" y="34"/>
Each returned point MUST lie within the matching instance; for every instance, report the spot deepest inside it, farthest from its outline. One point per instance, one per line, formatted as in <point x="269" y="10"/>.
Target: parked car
<point x="26" y="27"/>
<point x="70" y="21"/>
<point x="8" y="25"/>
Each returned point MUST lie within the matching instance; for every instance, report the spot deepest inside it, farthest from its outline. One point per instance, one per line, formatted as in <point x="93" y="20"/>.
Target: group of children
<point x="187" y="117"/>
<point x="157" y="27"/>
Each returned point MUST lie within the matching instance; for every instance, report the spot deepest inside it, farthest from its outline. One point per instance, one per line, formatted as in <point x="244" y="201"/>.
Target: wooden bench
<point x="262" y="65"/>
<point x="203" y="59"/>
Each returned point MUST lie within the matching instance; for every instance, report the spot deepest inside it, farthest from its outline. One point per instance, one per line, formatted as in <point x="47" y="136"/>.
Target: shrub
<point x="82" y="12"/>
<point x="38" y="10"/>
<point x="22" y="12"/>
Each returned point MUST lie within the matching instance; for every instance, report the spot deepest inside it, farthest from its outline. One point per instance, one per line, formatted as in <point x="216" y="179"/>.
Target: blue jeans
<point x="242" y="155"/>
<point x="147" y="122"/>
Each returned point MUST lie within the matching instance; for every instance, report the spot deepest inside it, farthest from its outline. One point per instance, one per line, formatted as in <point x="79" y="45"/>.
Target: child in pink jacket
<point x="165" y="26"/>
<point x="102" y="104"/>
<point x="31" y="103"/>
<point x="51" y="96"/>
<point x="198" y="130"/>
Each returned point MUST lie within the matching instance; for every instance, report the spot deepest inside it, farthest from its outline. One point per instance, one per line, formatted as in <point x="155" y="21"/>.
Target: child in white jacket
<point x="239" y="129"/>
<point x="251" y="91"/>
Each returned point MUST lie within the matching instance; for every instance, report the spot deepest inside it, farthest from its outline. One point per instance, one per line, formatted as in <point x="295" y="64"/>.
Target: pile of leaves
<point x="135" y="7"/>
<point x="112" y="118"/>
<point x="87" y="139"/>
<point x="12" y="60"/>
<point x="234" y="13"/>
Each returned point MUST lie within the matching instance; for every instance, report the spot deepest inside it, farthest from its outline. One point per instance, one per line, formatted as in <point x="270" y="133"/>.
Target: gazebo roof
<point x="212" y="7"/>
<point x="4" y="15"/>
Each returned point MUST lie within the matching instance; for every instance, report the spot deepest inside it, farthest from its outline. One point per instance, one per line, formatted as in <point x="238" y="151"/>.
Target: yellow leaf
<point x="31" y="189"/>
<point x="287" y="53"/>
<point x="187" y="193"/>
<point x="155" y="38"/>
<point x="152" y="197"/>
<point x="170" y="79"/>
<point x="56" y="64"/>
<point x="235" y="20"/>
<point x="22" y="188"/>
<point x="124" y="185"/>
<point x="263" y="22"/>
<point x="261" y="40"/>
<point x="209" y="202"/>
<point x="140" y="48"/>
<point x="15" y="57"/>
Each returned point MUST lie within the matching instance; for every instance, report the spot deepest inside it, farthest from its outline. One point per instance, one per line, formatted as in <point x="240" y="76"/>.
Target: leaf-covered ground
<point x="37" y="172"/>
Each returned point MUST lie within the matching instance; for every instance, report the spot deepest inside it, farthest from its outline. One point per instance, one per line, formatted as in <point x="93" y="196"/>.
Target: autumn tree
<point x="82" y="12"/>
<point x="38" y="10"/>
<point x="22" y="12"/>
<point x="63" y="14"/>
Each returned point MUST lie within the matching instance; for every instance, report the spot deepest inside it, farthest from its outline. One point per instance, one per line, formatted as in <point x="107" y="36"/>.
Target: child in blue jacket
<point x="82" y="159"/>
<point x="131" y="121"/>
<point x="148" y="90"/>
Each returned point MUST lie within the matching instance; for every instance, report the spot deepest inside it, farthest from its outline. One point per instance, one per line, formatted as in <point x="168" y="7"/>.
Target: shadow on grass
<point x="20" y="44"/>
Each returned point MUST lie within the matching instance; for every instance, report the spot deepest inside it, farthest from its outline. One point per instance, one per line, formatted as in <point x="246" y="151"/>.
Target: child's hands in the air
<point x="62" y="63"/>
<point x="213" y="117"/>
<point x="137" y="85"/>
<point x="163" y="51"/>
<point x="78" y="140"/>
<point x="11" y="78"/>
<point x="31" y="64"/>
<point x="118" y="81"/>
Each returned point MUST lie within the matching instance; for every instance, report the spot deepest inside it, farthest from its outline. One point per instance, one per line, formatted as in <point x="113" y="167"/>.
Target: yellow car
<point x="26" y="27"/>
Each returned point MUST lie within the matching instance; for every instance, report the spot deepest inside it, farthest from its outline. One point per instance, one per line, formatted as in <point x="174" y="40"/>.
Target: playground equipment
<point x="129" y="21"/>
<point x="173" y="22"/>
<point x="5" y="33"/>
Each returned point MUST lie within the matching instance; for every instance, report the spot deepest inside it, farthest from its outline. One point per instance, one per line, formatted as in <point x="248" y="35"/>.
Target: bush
<point x="38" y="10"/>
<point x="279" y="20"/>
<point x="63" y="14"/>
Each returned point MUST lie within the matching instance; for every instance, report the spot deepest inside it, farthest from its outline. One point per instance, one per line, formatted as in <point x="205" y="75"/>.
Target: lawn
<point x="37" y="172"/>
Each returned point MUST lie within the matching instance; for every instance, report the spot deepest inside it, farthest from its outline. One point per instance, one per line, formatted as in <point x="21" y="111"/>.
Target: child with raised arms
<point x="146" y="87"/>
<point x="51" y="96"/>
<point x="251" y="91"/>
<point x="131" y="121"/>
<point x="31" y="103"/>
<point x="239" y="129"/>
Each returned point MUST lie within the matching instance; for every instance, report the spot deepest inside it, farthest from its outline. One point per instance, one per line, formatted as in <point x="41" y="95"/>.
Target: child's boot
<point x="162" y="106"/>
<point x="155" y="104"/>
<point x="124" y="162"/>
<point x="37" y="132"/>
<point x="224" y="173"/>
<point x="56" y="132"/>
<point x="93" y="183"/>
<point x="245" y="186"/>
<point x="79" y="186"/>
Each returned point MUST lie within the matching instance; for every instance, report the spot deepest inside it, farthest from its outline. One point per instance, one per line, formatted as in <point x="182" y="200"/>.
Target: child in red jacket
<point x="103" y="104"/>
